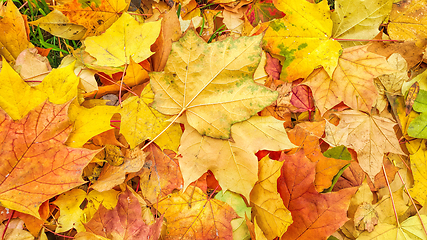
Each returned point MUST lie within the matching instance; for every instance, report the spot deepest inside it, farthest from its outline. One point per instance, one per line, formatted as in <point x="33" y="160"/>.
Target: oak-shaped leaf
<point x="124" y="222"/>
<point x="211" y="84"/>
<point x="195" y="215"/>
<point x="36" y="165"/>
<point x="315" y="215"/>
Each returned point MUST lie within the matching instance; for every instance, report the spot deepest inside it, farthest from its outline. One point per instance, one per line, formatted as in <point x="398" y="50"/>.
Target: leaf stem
<point x="412" y="201"/>
<point x="170" y="124"/>
<point x="391" y="196"/>
<point x="7" y="224"/>
<point x="366" y="40"/>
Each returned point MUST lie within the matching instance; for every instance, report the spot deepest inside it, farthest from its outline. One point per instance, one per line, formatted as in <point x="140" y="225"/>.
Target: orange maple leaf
<point x="36" y="165"/>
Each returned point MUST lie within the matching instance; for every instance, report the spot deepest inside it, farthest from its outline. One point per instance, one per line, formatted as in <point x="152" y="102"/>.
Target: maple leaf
<point x="406" y="22"/>
<point x="161" y="175"/>
<point x="370" y="137"/>
<point x="13" y="34"/>
<point x="302" y="37"/>
<point x="359" y="19"/>
<point x="211" y="84"/>
<point x="36" y="165"/>
<point x="233" y="163"/>
<point x="262" y="11"/>
<point x="272" y="216"/>
<point x="306" y="136"/>
<point x="315" y="215"/>
<point x="112" y="176"/>
<point x="88" y="122"/>
<point x="58" y="24"/>
<point x="95" y="16"/>
<point x="73" y="216"/>
<point x="351" y="82"/>
<point x="418" y="160"/>
<point x="141" y="122"/>
<point x="411" y="228"/>
<point x="240" y="228"/>
<point x="194" y="215"/>
<point x="124" y="221"/>
<point x="17" y="98"/>
<point x="122" y="41"/>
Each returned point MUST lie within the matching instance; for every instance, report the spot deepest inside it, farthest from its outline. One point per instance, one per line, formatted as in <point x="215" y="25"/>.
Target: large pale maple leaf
<point x="211" y="84"/>
<point x="35" y="164"/>
<point x="352" y="81"/>
<point x="371" y="137"/>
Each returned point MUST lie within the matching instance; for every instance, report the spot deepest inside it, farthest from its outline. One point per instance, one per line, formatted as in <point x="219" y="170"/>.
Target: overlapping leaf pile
<point x="222" y="120"/>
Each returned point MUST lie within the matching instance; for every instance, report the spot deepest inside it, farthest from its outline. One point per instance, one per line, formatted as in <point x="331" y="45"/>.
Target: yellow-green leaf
<point x="303" y="38"/>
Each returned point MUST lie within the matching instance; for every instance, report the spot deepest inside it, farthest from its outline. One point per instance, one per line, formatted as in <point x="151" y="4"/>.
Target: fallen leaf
<point x="72" y="214"/>
<point x="409" y="229"/>
<point x="262" y="11"/>
<point x="358" y="19"/>
<point x="240" y="228"/>
<point x="407" y="21"/>
<point x="211" y="100"/>
<point x="58" y="25"/>
<point x="95" y="16"/>
<point x="88" y="122"/>
<point x="124" y="221"/>
<point x="160" y="174"/>
<point x="194" y="215"/>
<point x="122" y="41"/>
<point x="140" y="122"/>
<point x="31" y="66"/>
<point x="302" y="98"/>
<point x="272" y="216"/>
<point x="370" y="137"/>
<point x="315" y="215"/>
<point x="35" y="159"/>
<point x="13" y="34"/>
<point x="351" y="82"/>
<point x="112" y="176"/>
<point x="236" y="169"/>
<point x="302" y="37"/>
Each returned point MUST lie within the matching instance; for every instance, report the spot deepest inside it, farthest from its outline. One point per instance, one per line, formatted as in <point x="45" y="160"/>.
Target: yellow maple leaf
<point x="58" y="25"/>
<point x="351" y="82"/>
<point x="17" y="98"/>
<point x="73" y="215"/>
<point x="88" y="122"/>
<point x="268" y="208"/>
<point x="13" y="34"/>
<point x="303" y="38"/>
<point x="211" y="84"/>
<point x="193" y="215"/>
<point x="140" y="122"/>
<point x="125" y="39"/>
